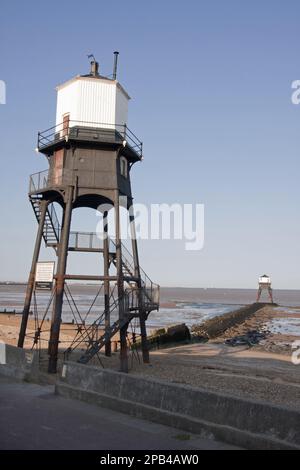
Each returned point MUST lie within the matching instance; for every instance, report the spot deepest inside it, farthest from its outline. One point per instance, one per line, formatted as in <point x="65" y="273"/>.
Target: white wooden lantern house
<point x="92" y="100"/>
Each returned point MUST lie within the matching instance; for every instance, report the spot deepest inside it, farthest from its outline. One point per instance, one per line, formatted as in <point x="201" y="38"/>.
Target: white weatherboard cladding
<point x="97" y="102"/>
<point x="121" y="107"/>
<point x="67" y="102"/>
<point x="92" y="101"/>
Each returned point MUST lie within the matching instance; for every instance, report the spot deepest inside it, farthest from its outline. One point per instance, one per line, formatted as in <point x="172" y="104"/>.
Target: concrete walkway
<point x="32" y="417"/>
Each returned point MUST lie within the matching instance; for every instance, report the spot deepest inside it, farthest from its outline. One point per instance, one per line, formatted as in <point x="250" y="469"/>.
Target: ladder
<point x="51" y="230"/>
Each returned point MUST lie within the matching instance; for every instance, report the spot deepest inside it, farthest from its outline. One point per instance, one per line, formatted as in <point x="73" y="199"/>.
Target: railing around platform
<point x="91" y="131"/>
<point x="85" y="241"/>
<point x="38" y="181"/>
<point x="45" y="179"/>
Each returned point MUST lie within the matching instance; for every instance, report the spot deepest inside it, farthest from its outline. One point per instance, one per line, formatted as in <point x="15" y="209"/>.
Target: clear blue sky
<point x="211" y="86"/>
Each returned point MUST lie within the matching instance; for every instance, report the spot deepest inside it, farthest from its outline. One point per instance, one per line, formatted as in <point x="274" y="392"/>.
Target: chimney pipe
<point x="94" y="68"/>
<point x="116" y="53"/>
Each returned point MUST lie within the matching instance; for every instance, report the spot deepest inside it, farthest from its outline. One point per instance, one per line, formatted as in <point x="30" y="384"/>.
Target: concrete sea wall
<point x="18" y="363"/>
<point x="245" y="423"/>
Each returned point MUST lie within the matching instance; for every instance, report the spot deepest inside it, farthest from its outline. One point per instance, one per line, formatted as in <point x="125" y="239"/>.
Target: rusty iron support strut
<point x="106" y="283"/>
<point x="120" y="282"/>
<point x="60" y="281"/>
<point x="31" y="279"/>
<point x="137" y="273"/>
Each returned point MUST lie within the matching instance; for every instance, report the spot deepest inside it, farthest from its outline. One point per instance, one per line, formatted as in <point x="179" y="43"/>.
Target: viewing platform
<point x="82" y="131"/>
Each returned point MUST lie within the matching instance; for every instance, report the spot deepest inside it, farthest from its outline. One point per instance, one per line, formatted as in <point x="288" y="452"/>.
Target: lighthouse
<point x="264" y="283"/>
<point x="90" y="152"/>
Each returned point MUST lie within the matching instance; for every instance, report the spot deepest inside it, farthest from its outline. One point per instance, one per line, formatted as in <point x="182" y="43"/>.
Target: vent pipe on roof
<point x="94" y="68"/>
<point x="116" y="53"/>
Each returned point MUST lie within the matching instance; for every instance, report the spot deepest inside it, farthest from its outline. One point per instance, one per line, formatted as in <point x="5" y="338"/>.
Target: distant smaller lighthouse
<point x="264" y="283"/>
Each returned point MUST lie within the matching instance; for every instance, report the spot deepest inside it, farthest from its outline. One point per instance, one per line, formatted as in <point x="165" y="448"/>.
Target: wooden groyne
<point x="7" y="311"/>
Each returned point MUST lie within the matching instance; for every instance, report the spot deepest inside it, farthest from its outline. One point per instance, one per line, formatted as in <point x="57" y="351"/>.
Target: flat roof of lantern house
<point x="92" y="77"/>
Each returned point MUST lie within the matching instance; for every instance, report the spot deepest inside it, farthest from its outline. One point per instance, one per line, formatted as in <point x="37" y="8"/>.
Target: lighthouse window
<point x="123" y="166"/>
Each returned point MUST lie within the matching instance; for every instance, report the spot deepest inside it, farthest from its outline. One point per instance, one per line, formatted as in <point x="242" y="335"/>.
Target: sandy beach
<point x="281" y="325"/>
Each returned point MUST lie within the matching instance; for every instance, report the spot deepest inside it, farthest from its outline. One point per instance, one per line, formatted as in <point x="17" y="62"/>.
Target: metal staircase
<point x="136" y="301"/>
<point x="51" y="229"/>
<point x="149" y="289"/>
<point x="95" y="345"/>
<point x="138" y="298"/>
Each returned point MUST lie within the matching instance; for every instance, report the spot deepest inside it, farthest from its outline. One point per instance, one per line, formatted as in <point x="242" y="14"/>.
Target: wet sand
<point x="277" y="341"/>
<point x="10" y="326"/>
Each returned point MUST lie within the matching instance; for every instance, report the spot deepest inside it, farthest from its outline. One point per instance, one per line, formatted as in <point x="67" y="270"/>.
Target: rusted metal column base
<point x="145" y="348"/>
<point x="31" y="279"/>
<point x="60" y="283"/>
<point x="107" y="325"/>
<point x="123" y="350"/>
<point x="120" y="282"/>
<point x="26" y="309"/>
<point x="55" y="327"/>
<point x="144" y="343"/>
<point x="106" y="282"/>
